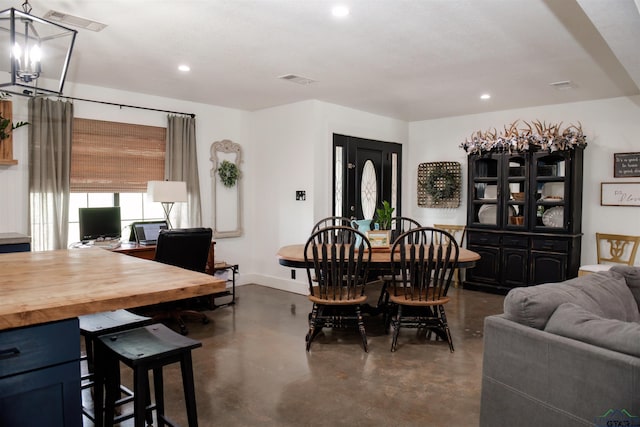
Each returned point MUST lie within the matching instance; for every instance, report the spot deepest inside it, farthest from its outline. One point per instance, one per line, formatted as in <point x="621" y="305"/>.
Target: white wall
<point x="611" y="126"/>
<point x="289" y="148"/>
<point x="294" y="146"/>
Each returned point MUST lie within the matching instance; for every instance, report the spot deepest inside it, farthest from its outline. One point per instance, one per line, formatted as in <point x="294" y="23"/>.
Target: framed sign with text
<point x="620" y="193"/>
<point x="626" y="165"/>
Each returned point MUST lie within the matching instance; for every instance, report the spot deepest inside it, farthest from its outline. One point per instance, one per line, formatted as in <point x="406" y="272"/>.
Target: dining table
<point x="293" y="256"/>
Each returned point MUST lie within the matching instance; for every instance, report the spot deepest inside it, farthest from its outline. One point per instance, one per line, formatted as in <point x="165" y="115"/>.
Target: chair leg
<point x="363" y="334"/>
<point x="443" y="319"/>
<point x="189" y="389"/>
<point x="312" y="326"/>
<point x="158" y="390"/>
<point x="396" y="329"/>
<point x="141" y="393"/>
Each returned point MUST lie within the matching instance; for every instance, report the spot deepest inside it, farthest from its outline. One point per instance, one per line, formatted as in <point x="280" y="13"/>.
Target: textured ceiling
<point x="406" y="59"/>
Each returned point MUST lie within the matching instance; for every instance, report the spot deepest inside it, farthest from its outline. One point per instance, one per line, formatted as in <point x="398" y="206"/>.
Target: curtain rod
<point x="127" y="106"/>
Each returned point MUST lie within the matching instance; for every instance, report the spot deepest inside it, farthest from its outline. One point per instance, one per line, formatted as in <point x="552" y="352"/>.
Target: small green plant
<point x="384" y="215"/>
<point x="228" y="173"/>
<point x="6" y="127"/>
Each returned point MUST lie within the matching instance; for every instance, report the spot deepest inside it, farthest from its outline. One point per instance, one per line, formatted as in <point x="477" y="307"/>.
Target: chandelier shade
<point x="34" y="53"/>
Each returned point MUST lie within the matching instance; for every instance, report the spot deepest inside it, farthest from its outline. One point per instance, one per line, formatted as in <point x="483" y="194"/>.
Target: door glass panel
<point x="394" y="181"/>
<point x="337" y="190"/>
<point x="369" y="190"/>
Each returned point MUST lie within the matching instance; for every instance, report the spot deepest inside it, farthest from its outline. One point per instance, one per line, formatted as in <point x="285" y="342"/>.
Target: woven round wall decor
<point x="439" y="185"/>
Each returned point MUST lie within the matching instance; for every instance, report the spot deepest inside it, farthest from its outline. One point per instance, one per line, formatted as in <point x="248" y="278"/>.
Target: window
<point x="110" y="166"/>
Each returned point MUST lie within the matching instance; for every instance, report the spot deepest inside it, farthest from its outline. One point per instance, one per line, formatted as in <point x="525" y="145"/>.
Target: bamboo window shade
<point x="111" y="157"/>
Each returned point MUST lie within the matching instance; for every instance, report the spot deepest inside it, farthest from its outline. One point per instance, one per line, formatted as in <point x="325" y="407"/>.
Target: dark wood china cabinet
<point x="524" y="217"/>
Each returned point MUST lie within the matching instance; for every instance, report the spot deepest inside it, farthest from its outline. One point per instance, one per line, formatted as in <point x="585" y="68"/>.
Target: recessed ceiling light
<point x="184" y="68"/>
<point x="485" y="96"/>
<point x="340" y="11"/>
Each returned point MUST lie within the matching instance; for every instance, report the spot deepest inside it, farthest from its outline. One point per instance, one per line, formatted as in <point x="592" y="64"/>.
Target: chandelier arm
<point x="26" y="7"/>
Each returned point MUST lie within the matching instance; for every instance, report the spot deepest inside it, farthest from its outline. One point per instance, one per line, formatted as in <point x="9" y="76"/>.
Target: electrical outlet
<point x="301" y="195"/>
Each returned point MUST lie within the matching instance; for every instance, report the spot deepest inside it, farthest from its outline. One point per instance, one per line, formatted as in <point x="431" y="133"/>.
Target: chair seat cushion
<point x="415" y="301"/>
<point x="360" y="299"/>
<point x="572" y="321"/>
<point x="595" y="268"/>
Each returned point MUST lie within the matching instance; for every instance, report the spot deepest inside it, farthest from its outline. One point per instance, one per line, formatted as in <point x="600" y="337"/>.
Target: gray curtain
<point x="50" y="133"/>
<point x="181" y="164"/>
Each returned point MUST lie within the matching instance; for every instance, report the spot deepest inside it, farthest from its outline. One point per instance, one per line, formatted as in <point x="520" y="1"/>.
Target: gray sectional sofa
<point x="565" y="354"/>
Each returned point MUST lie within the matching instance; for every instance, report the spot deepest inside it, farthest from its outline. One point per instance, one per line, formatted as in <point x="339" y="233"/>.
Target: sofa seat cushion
<point x="572" y="321"/>
<point x="603" y="294"/>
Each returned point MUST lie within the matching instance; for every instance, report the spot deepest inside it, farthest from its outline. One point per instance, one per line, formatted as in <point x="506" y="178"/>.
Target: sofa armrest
<point x="532" y="378"/>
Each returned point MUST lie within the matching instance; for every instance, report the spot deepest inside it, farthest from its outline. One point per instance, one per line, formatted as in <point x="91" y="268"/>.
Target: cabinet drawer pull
<point x="9" y="352"/>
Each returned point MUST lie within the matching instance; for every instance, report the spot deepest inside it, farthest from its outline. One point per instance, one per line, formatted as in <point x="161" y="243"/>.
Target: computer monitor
<point x="98" y="223"/>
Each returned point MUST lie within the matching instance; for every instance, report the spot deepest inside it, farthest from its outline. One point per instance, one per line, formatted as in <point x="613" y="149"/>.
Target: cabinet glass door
<point x="485" y="191"/>
<point x="517" y="193"/>
<point x="551" y="187"/>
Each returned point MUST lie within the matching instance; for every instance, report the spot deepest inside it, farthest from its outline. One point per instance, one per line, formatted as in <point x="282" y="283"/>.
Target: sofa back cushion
<point x="572" y="321"/>
<point x="632" y="276"/>
<point x="603" y="294"/>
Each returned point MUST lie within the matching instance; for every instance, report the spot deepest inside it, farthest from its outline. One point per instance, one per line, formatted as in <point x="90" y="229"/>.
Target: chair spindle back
<point x="336" y="268"/>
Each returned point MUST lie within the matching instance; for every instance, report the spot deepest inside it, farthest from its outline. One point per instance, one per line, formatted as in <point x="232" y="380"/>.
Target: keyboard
<point x="107" y="244"/>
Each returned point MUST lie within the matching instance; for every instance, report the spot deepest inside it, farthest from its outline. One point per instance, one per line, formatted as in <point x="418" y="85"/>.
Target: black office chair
<point x="186" y="248"/>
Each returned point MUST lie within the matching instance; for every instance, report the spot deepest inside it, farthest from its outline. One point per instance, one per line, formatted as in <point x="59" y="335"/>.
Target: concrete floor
<point x="253" y="368"/>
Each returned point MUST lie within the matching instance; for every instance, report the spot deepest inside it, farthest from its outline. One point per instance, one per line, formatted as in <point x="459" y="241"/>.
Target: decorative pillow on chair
<point x="572" y="321"/>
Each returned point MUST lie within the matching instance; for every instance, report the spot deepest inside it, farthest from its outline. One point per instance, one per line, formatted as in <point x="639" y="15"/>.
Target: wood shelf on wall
<point x="6" y="145"/>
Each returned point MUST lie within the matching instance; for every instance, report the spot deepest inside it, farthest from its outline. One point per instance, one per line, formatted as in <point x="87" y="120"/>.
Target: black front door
<point x="366" y="172"/>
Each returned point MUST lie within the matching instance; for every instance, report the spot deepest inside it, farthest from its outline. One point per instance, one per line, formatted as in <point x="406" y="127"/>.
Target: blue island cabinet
<point x="40" y="375"/>
<point x="14" y="242"/>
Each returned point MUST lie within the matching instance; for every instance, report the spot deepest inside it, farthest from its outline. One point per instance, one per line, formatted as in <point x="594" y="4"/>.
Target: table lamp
<point x="167" y="193"/>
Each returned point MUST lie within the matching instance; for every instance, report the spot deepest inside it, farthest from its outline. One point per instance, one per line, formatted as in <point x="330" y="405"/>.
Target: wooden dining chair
<point x="424" y="260"/>
<point x="612" y="249"/>
<point x="399" y="225"/>
<point x="331" y="221"/>
<point x="337" y="271"/>
<point x="459" y="232"/>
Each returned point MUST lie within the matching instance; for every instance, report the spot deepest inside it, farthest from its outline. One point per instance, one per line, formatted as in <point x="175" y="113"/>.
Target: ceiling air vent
<point x="76" y="21"/>
<point x="563" y="85"/>
<point x="297" y="79"/>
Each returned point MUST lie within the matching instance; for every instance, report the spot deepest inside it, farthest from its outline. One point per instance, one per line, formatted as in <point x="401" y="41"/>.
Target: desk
<point x="38" y="290"/>
<point x="136" y="250"/>
<point x="293" y="256"/>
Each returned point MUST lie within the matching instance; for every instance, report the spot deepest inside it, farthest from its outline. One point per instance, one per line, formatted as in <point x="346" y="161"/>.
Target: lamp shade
<point x="35" y="53"/>
<point x="167" y="191"/>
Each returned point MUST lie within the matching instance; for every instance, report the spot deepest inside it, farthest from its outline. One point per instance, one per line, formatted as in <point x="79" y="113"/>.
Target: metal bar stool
<point x="143" y="349"/>
<point x="94" y="325"/>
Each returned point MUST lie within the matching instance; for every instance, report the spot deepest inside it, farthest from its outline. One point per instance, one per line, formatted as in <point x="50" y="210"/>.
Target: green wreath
<point x="441" y="184"/>
<point x="228" y="173"/>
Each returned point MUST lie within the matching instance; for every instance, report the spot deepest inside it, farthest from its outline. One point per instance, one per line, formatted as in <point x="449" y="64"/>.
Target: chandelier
<point x="34" y="52"/>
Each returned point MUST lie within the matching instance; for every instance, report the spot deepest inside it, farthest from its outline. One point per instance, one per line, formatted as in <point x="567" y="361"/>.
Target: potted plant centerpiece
<point x="381" y="236"/>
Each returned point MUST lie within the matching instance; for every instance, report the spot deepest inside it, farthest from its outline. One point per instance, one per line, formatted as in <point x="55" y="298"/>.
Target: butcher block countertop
<point x="39" y="287"/>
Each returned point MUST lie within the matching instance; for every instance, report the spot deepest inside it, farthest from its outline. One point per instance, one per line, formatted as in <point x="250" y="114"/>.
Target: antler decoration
<point x="532" y="136"/>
